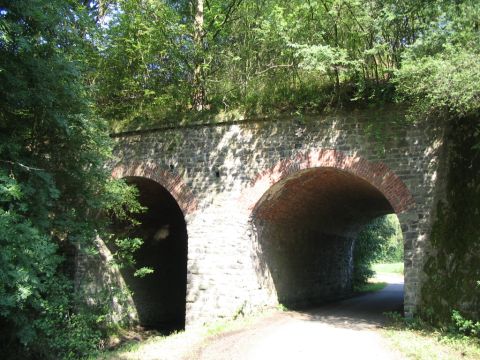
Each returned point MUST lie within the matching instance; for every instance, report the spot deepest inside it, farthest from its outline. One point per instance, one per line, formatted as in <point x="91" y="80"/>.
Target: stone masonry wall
<point x="306" y="266"/>
<point x="218" y="173"/>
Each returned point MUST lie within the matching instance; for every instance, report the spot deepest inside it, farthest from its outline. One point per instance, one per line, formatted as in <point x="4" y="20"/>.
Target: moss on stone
<point x="453" y="268"/>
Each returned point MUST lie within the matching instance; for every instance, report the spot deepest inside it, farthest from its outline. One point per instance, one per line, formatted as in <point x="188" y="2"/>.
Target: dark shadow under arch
<point x="160" y="298"/>
<point x="306" y="225"/>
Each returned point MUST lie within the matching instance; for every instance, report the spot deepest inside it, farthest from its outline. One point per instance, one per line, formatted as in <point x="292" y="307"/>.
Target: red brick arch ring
<point x="173" y="183"/>
<point x="376" y="173"/>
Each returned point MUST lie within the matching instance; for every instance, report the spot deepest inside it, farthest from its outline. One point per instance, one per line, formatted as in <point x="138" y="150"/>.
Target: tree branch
<point x="29" y="168"/>
<point x="273" y="67"/>
<point x="230" y="10"/>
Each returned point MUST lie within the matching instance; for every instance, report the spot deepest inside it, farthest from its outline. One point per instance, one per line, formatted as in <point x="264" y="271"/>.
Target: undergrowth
<point x="418" y="339"/>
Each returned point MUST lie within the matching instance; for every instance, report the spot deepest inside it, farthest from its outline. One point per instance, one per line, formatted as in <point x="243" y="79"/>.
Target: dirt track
<point x="343" y="330"/>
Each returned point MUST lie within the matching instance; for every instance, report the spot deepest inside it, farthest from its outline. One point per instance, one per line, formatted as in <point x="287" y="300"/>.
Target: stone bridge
<point x="243" y="215"/>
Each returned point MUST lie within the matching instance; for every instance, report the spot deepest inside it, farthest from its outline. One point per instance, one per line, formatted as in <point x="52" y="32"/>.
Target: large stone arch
<point x="304" y="216"/>
<point x="229" y="166"/>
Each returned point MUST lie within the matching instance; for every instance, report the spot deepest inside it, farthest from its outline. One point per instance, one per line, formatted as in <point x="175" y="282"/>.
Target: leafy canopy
<point x="53" y="184"/>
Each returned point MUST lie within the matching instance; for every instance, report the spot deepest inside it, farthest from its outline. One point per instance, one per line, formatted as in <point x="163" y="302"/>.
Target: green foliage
<point x="125" y="248"/>
<point x="53" y="184"/>
<point x="370" y="287"/>
<point x="254" y="57"/>
<point x="459" y="324"/>
<point x="392" y="246"/>
<point x="457" y="93"/>
<point x="440" y="73"/>
<point x="418" y="339"/>
<point x="389" y="268"/>
<point x="380" y="240"/>
<point x="143" y="271"/>
<point x="274" y="56"/>
<point x="141" y="73"/>
<point x="465" y="326"/>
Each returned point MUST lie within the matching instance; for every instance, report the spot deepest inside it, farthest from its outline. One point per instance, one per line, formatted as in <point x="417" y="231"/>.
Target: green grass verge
<point x="416" y="339"/>
<point x="132" y="349"/>
<point x="393" y="268"/>
<point x="130" y="346"/>
<point x="432" y="345"/>
<point x="370" y="287"/>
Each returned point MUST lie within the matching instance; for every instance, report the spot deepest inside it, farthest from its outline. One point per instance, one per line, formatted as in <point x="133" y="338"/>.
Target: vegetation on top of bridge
<point x="271" y="57"/>
<point x="65" y="65"/>
<point x="371" y="118"/>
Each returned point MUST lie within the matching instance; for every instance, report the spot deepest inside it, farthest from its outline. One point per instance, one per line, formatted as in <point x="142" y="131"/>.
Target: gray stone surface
<point x="219" y="173"/>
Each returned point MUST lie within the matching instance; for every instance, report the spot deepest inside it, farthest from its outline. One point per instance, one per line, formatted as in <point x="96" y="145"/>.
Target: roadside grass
<point x="224" y="326"/>
<point x="193" y="338"/>
<point x="370" y="287"/>
<point x="131" y="346"/>
<point x="416" y="340"/>
<point x="376" y="283"/>
<point x="392" y="268"/>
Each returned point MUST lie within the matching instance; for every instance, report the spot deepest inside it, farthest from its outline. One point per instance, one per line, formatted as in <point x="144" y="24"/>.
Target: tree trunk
<point x="337" y="72"/>
<point x="199" y="93"/>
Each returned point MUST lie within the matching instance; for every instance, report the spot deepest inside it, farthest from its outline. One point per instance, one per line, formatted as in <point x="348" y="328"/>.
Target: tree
<point x="199" y="92"/>
<point x="378" y="240"/>
<point x="53" y="185"/>
<point x="162" y="58"/>
<point x="142" y="65"/>
<point x="440" y="73"/>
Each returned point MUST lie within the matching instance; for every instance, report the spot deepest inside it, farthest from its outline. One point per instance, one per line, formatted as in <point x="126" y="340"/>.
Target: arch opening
<point x="306" y="226"/>
<point x="160" y="297"/>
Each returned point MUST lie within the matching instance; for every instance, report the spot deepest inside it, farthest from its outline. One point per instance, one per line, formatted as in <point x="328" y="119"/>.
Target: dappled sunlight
<point x="220" y="174"/>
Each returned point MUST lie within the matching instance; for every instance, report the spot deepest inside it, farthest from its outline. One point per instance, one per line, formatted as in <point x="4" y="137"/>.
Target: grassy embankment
<point x="418" y="340"/>
<point x="393" y="268"/>
<point x="377" y="283"/>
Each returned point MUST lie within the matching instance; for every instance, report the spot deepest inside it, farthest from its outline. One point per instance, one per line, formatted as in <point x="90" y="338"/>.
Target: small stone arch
<point x="172" y="182"/>
<point x="375" y="173"/>
<point x="159" y="298"/>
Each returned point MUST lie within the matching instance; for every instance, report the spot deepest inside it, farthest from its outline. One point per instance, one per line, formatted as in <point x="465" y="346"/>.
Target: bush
<point x="465" y="326"/>
<point x="380" y="240"/>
